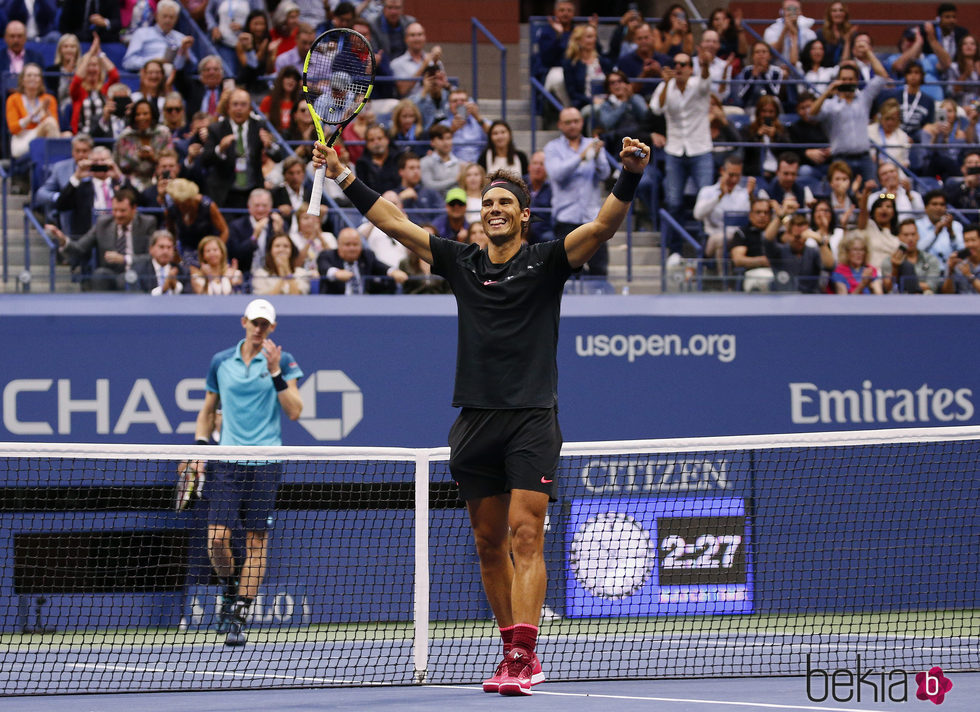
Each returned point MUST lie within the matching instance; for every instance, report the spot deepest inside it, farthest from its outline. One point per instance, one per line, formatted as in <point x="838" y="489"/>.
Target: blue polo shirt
<point x="250" y="410"/>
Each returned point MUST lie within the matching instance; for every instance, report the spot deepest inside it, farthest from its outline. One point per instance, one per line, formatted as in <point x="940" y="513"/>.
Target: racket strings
<point x="338" y="78"/>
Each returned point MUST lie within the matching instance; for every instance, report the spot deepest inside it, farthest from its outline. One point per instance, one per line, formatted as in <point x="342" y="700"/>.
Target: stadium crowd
<point x="814" y="159"/>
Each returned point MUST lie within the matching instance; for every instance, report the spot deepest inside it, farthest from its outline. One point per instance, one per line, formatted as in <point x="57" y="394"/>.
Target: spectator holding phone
<point x="909" y="270"/>
<point x="965" y="194"/>
<point x="938" y="232"/>
<point x="468" y="127"/>
<point x="963" y="266"/>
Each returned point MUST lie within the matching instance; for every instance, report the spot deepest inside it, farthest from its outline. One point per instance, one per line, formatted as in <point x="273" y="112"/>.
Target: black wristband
<point x="279" y="383"/>
<point x="361" y="197"/>
<point x="202" y="441"/>
<point x="625" y="187"/>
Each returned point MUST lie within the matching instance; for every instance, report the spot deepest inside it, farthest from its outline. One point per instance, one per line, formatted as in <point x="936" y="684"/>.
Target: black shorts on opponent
<point x="496" y="451"/>
<point x="242" y="495"/>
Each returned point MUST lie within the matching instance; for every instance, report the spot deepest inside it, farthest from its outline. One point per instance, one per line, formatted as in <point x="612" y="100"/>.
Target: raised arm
<point x="383" y="214"/>
<point x="582" y="243"/>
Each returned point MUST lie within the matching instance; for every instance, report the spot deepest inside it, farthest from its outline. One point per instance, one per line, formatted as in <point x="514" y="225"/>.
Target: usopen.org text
<point x="634" y="346"/>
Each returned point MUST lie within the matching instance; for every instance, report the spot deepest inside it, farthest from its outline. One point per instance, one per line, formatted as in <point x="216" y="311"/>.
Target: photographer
<point x="112" y="122"/>
<point x="963" y="266"/>
<point x="90" y="189"/>
<point x="965" y="194"/>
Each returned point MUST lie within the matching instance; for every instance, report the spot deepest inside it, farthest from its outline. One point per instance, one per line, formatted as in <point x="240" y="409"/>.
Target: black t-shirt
<point x="507" y="341"/>
<point x="751" y="239"/>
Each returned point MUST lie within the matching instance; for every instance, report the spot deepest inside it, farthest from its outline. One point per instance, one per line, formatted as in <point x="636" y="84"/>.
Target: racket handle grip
<point x="317" y="192"/>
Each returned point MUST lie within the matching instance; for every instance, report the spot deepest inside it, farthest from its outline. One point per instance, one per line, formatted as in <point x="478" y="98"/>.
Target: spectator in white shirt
<point x="725" y="196"/>
<point x="685" y="102"/>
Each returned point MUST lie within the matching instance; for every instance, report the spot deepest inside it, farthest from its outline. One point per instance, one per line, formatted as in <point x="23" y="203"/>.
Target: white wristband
<point x="343" y="176"/>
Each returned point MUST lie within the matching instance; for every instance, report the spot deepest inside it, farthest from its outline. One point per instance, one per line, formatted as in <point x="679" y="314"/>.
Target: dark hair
<point x="154" y="112"/>
<point x="405" y="156"/>
<point x="945" y="7"/>
<point x="893" y="225"/>
<point x="512" y="177"/>
<point x="730" y="37"/>
<point x="344" y="8"/>
<point x="833" y="214"/>
<point x="849" y="65"/>
<point x="805" y="96"/>
<point x="617" y="72"/>
<point x="907" y="221"/>
<point x="251" y="16"/>
<point x="126" y="193"/>
<point x="788" y="157"/>
<point x="511" y="150"/>
<point x="914" y="64"/>
<point x="960" y="58"/>
<point x="757" y="119"/>
<point x="805" y="59"/>
<point x="972" y="227"/>
<point x="733" y="160"/>
<point x="934" y="193"/>
<point x="665" y="21"/>
<point x="270" y="263"/>
<point x="438" y="131"/>
<point x="967" y="154"/>
<point x="278" y="95"/>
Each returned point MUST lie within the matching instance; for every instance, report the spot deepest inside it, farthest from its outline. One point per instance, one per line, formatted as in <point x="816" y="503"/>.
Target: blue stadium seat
<point x="739" y="121"/>
<point x="44" y="153"/>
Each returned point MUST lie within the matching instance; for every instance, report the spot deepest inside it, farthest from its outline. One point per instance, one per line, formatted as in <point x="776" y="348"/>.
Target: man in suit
<point x="15" y="55"/>
<point x="89" y="191"/>
<point x="156" y="272"/>
<point x="346" y="269"/>
<point x="57" y="179"/>
<point x="117" y="240"/>
<point x="83" y="18"/>
<point x="249" y="236"/>
<point x="233" y="153"/>
<point x="43" y="12"/>
<point x="202" y="93"/>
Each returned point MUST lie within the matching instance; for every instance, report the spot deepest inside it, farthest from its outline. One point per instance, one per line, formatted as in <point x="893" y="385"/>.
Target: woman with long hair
<point x="67" y="54"/>
<point x="255" y="38"/>
<point x="836" y="34"/>
<point x="286" y="93"/>
<point x="301" y="128"/>
<point x="501" y="154"/>
<point x="280" y="272"/>
<point x="31" y="112"/>
<point x="811" y="64"/>
<point x="355" y="133"/>
<point x="854" y="274"/>
<point x="191" y="217"/>
<point x="471" y="179"/>
<point x="406" y="126"/>
<point x="965" y="68"/>
<point x="143" y="138"/>
<point x="153" y="84"/>
<point x="89" y="87"/>
<point x="879" y="225"/>
<point x="823" y="225"/>
<point x="214" y="274"/>
<point x="672" y="35"/>
<point x="765" y="129"/>
<point x="583" y="65"/>
<point x="728" y="25"/>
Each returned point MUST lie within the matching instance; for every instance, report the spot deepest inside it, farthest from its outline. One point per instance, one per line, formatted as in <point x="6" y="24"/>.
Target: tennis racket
<point x="338" y="76"/>
<point x="190" y="482"/>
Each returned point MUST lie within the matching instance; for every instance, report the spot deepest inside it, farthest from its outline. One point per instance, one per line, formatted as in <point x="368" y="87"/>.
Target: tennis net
<point x="702" y="557"/>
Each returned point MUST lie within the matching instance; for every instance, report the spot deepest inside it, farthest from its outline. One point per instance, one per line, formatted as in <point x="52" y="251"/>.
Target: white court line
<point x="767" y="705"/>
<point x="212" y="673"/>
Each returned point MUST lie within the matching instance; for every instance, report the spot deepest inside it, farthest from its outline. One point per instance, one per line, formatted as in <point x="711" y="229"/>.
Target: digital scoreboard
<point x="657" y="556"/>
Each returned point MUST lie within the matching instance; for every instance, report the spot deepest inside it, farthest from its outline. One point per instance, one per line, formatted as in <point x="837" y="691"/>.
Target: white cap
<point x="260" y="309"/>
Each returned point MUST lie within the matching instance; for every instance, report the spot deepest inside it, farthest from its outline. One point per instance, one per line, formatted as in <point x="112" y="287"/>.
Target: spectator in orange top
<point x="31" y="112"/>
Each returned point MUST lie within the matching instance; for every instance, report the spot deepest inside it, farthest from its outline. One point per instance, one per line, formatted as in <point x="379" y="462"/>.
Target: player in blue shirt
<point x="253" y="383"/>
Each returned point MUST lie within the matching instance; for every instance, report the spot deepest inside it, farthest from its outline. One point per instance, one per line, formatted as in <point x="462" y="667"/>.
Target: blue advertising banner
<point x="379" y="370"/>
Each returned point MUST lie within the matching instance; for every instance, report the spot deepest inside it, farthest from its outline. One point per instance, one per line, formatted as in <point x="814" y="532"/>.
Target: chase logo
<point x="351" y="405"/>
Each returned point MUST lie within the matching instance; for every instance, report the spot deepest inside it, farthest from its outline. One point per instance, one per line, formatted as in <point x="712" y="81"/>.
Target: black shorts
<point x="242" y="495"/>
<point x="495" y="451"/>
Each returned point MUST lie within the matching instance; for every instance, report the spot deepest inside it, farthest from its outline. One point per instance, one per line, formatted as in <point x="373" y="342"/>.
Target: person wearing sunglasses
<point x="879" y="224"/>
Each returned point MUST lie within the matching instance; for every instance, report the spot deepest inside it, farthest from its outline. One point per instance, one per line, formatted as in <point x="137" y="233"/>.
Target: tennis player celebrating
<point x="506" y="441"/>
<point x="254" y="382"/>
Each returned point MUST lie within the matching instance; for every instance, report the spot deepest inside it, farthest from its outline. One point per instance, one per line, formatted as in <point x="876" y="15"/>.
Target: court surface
<point x="709" y="695"/>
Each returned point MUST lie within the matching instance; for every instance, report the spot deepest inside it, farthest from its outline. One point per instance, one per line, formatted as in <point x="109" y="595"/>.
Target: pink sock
<point x="507" y="635"/>
<point x="525" y="636"/>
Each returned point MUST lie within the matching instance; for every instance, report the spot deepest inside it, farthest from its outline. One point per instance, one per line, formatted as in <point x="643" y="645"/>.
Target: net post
<point x="421" y="635"/>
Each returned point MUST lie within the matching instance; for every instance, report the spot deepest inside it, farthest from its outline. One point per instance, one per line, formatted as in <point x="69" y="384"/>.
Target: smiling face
<point x="502" y="216"/>
<point x="348" y="245"/>
<point x="500" y="136"/>
<point x="857" y="253"/>
<point x="884" y="213"/>
<point x="212" y="255"/>
<point x="142" y="116"/>
<point x="888" y="176"/>
<point x="281" y="248"/>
